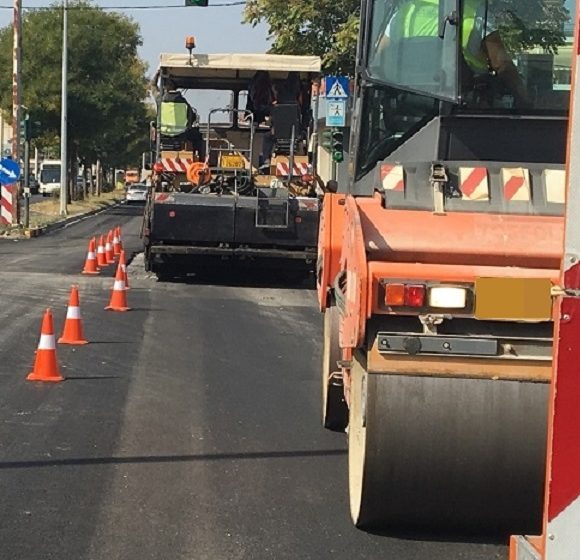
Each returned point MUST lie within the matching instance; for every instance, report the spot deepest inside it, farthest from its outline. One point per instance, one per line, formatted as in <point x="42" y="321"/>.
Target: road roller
<point x="439" y="260"/>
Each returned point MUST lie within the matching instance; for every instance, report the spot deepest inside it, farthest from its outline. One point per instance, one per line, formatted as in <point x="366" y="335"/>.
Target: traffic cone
<point x="101" y="256"/>
<point x="118" y="295"/>
<point x="116" y="244"/>
<point x="109" y="255"/>
<point x="123" y="265"/>
<point x="45" y="366"/>
<point x="118" y="229"/>
<point x="91" y="260"/>
<point x="73" y="325"/>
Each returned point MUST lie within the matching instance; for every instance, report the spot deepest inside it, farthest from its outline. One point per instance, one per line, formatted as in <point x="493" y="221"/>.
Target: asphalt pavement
<point x="187" y="429"/>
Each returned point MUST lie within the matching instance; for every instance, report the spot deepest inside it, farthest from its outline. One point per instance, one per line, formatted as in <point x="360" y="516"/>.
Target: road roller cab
<point x="439" y="258"/>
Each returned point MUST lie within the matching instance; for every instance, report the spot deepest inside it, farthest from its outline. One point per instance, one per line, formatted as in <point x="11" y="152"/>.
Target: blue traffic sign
<point x="9" y="171"/>
<point x="337" y="87"/>
<point x="336" y="112"/>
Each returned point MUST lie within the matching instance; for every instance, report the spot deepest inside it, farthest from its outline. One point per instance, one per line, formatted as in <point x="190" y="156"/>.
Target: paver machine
<point x="251" y="192"/>
<point x="438" y="262"/>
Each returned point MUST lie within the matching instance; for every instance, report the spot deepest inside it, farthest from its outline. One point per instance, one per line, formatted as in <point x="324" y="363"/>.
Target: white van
<point x="49" y="180"/>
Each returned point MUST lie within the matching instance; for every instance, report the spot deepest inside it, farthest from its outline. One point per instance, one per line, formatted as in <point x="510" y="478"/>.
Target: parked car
<point x="136" y="193"/>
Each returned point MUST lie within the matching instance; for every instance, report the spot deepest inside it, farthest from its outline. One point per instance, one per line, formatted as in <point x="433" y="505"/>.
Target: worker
<point x="179" y="119"/>
<point x="482" y="47"/>
<point x="261" y="96"/>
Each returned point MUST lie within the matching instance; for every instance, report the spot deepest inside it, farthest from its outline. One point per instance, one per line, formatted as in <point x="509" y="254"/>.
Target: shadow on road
<point x="170" y="458"/>
<point x="245" y="277"/>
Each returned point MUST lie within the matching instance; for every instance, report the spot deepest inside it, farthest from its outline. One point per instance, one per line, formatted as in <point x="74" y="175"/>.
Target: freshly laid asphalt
<point x="187" y="429"/>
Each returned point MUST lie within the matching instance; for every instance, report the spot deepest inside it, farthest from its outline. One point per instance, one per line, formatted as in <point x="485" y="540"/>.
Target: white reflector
<point x="448" y="298"/>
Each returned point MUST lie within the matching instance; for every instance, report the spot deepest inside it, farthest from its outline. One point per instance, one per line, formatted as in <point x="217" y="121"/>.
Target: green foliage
<point x="327" y="28"/>
<point x="107" y="115"/>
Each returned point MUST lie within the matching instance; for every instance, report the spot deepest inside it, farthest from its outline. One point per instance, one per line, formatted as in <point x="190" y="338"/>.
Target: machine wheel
<point x="334" y="409"/>
<point x="446" y="454"/>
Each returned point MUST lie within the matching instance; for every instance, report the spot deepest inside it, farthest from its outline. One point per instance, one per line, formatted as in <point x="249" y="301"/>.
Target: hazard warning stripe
<point x="393" y="177"/>
<point x="474" y="183"/>
<point x="299" y="169"/>
<point x="516" y="184"/>
<point x="176" y="165"/>
<point x="6" y="204"/>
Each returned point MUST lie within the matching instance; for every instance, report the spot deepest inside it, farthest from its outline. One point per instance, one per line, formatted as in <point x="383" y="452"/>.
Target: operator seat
<point x="284" y="117"/>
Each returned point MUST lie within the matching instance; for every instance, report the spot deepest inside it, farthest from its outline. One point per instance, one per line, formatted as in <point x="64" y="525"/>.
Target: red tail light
<point x="415" y="295"/>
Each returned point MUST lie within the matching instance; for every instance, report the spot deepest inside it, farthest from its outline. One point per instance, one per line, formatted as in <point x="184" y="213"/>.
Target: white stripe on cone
<point x="119" y="286"/>
<point x="91" y="256"/>
<point x="100" y="249"/>
<point x="47" y="342"/>
<point x="73" y="312"/>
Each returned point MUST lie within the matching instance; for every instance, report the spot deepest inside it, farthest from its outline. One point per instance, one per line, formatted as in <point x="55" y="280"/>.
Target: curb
<point x="37" y="232"/>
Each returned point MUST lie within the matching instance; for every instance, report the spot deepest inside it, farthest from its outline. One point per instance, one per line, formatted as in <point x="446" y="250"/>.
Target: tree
<point x="106" y="81"/>
<point x="327" y="28"/>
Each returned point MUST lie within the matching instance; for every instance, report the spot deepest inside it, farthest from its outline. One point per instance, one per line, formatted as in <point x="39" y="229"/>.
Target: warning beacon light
<point x="190" y="43"/>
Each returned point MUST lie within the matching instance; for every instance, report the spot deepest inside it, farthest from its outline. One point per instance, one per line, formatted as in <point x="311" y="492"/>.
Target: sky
<point x="216" y="29"/>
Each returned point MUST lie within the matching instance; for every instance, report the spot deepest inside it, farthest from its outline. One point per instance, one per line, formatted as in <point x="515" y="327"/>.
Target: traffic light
<point x="202" y="3"/>
<point x="28" y="129"/>
<point x="337" y="145"/>
<point x="326" y="139"/>
<point x="25" y="128"/>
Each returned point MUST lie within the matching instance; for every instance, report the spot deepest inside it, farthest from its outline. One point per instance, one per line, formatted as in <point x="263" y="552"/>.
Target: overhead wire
<point x="128" y="8"/>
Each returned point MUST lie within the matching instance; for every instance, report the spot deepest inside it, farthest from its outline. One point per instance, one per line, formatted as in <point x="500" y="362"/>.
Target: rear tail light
<point x="415" y="295"/>
<point x="405" y="295"/>
<point x="395" y="295"/>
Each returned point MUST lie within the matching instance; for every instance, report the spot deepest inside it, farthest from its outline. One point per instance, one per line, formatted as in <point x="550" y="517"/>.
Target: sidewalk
<point x="45" y="216"/>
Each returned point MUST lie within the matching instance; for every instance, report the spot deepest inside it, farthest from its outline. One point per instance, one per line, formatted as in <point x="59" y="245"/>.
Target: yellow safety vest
<point x="173" y="118"/>
<point x="420" y="18"/>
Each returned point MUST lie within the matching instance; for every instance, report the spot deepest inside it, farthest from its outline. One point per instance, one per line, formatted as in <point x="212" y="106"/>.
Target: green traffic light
<point x="338" y="157"/>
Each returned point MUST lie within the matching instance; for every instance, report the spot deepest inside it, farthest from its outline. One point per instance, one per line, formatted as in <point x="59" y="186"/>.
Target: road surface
<point x="188" y="428"/>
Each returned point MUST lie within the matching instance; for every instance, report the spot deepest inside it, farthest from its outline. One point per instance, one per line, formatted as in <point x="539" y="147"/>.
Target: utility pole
<point x="16" y="100"/>
<point x="63" y="112"/>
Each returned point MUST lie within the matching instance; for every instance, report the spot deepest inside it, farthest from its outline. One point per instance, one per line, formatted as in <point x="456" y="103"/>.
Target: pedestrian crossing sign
<point x="336" y="112"/>
<point x="337" y="87"/>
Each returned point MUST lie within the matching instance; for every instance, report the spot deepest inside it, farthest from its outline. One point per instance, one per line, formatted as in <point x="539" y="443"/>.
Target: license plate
<point x="232" y="162"/>
<point x="513" y="299"/>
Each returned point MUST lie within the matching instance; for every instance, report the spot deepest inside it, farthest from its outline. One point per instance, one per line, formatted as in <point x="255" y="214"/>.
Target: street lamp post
<point x="63" y="114"/>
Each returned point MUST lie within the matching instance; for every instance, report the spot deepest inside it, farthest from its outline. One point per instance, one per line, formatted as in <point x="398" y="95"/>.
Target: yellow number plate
<point x="513" y="298"/>
<point x="232" y="162"/>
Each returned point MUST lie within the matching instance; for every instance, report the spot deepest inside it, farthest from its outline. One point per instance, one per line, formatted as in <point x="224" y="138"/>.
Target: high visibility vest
<point x="420" y="18"/>
<point x="173" y="118"/>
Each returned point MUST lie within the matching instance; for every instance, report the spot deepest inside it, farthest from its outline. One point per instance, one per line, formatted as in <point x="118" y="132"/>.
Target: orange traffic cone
<point x="45" y="366"/>
<point x="109" y="255"/>
<point x="118" y="295"/>
<point x="73" y="325"/>
<point x="91" y="260"/>
<point x="116" y="245"/>
<point x="123" y="265"/>
<point x="118" y="231"/>
<point x="101" y="256"/>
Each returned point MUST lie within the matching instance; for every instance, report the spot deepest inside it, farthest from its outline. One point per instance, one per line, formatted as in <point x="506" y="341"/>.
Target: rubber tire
<point x="334" y="409"/>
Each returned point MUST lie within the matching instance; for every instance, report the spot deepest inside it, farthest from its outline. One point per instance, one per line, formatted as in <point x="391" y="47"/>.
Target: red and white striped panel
<point x="283" y="169"/>
<point x="7" y="204"/>
<point x="176" y="165"/>
<point x="555" y="184"/>
<point x="393" y="177"/>
<point x="474" y="183"/>
<point x="516" y="184"/>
